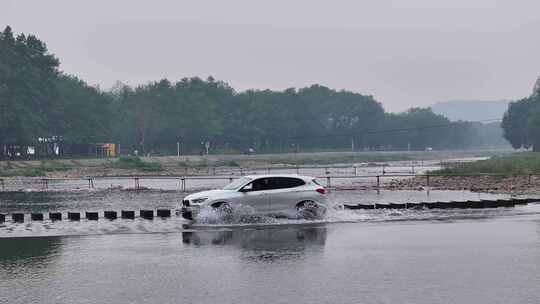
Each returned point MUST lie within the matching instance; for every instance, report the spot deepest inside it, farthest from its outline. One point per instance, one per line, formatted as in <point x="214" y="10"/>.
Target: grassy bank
<point x="518" y="163"/>
<point x="36" y="171"/>
<point x="135" y="163"/>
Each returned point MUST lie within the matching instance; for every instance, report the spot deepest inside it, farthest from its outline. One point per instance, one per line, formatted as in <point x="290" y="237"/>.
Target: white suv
<point x="267" y="194"/>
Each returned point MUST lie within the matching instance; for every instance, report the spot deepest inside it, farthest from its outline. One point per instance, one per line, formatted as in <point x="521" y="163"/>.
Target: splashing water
<point x="336" y="214"/>
<point x="239" y="215"/>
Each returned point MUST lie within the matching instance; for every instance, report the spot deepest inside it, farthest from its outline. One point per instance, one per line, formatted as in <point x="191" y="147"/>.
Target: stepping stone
<point x="55" y="216"/>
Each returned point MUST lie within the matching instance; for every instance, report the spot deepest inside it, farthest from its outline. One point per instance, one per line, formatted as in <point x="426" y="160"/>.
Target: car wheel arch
<point x="301" y="203"/>
<point x="218" y="204"/>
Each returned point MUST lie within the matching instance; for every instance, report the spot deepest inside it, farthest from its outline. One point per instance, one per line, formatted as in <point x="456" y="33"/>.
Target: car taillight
<point x="321" y="190"/>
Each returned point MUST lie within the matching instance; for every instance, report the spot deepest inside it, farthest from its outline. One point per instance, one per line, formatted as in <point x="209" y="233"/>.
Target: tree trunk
<point x="536" y="144"/>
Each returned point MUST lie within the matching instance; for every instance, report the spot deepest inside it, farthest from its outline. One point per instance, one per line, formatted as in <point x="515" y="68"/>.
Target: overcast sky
<point x="404" y="52"/>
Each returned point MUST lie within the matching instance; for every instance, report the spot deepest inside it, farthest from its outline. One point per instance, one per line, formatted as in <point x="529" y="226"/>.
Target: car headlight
<point x="199" y="201"/>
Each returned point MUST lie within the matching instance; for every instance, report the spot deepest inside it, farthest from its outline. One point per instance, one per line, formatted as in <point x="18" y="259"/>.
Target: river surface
<point x="364" y="256"/>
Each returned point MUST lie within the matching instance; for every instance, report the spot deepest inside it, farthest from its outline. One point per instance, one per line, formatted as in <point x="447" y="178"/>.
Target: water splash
<point x="239" y="215"/>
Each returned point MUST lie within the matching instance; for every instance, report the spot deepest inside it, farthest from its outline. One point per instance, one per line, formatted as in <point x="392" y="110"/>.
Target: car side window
<point x="258" y="185"/>
<point x="285" y="182"/>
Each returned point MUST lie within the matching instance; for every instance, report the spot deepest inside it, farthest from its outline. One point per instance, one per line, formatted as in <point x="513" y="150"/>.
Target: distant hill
<point x="471" y="110"/>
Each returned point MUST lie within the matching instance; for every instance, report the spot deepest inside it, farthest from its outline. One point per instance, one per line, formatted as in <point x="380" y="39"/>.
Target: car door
<point x="255" y="194"/>
<point x="284" y="194"/>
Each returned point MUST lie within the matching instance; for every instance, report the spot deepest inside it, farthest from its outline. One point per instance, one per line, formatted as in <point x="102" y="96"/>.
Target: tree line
<point x="59" y="114"/>
<point x="521" y="122"/>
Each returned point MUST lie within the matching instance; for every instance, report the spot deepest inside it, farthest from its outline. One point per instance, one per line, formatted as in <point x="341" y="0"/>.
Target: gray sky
<point x="405" y="53"/>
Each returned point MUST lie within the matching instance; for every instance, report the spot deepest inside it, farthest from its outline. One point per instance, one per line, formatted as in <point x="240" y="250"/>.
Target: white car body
<point x="266" y="194"/>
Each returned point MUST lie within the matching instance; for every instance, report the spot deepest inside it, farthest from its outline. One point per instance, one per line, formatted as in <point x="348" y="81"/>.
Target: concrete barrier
<point x="110" y="215"/>
<point x="163" y="213"/>
<point x="367" y="207"/>
<point x="414" y="205"/>
<point x="459" y="204"/>
<point x="17" y="217"/>
<point x="475" y="204"/>
<point x="147" y="214"/>
<point x="55" y="216"/>
<point x="390" y="206"/>
<point x="490" y="204"/>
<point x="521" y="201"/>
<point x="431" y="205"/>
<point x="506" y="203"/>
<point x="444" y="205"/>
<point x="358" y="206"/>
<point x="438" y="205"/>
<point x="126" y="214"/>
<point x="92" y="216"/>
<point x="74" y="216"/>
<point x="36" y="216"/>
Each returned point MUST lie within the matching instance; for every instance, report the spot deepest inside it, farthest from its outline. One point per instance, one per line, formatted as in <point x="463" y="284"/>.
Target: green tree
<point x="38" y="101"/>
<point x="521" y="122"/>
<point x="27" y="90"/>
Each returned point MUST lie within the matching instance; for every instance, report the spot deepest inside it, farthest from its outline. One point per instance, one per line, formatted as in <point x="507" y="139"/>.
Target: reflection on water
<point x="28" y="249"/>
<point x="27" y="254"/>
<point x="262" y="244"/>
<point x="488" y="261"/>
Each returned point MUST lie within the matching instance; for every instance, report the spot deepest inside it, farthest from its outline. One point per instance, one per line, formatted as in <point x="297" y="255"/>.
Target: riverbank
<point x="514" y="173"/>
<point x="520" y="184"/>
<point x="213" y="164"/>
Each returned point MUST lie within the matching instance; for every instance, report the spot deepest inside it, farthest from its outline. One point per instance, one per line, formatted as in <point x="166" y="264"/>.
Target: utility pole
<point x="352" y="144"/>
<point x="178" y="149"/>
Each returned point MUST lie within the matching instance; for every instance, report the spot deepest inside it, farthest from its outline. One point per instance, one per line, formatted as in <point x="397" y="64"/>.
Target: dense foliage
<point x="192" y="111"/>
<point x="521" y="122"/>
<point x="39" y="104"/>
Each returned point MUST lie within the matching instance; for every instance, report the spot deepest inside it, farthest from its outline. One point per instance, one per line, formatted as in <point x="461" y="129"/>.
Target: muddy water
<point x="493" y="259"/>
<point x="364" y="256"/>
<point x="99" y="201"/>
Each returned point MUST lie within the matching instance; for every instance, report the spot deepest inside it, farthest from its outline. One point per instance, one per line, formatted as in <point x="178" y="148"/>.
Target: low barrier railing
<point x="183" y="180"/>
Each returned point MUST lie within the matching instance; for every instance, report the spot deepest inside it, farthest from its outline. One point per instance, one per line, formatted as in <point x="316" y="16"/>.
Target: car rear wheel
<point x="308" y="210"/>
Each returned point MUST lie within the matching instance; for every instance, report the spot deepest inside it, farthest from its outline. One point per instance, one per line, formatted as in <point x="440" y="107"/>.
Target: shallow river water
<point x="372" y="256"/>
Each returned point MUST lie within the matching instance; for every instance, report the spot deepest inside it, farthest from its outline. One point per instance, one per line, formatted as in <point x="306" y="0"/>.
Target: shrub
<point x="136" y="163"/>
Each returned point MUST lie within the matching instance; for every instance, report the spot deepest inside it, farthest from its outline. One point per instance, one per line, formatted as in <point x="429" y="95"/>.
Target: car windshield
<point x="237" y="183"/>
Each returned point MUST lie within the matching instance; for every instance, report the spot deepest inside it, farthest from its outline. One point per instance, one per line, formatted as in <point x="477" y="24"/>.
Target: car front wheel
<point x="223" y="208"/>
